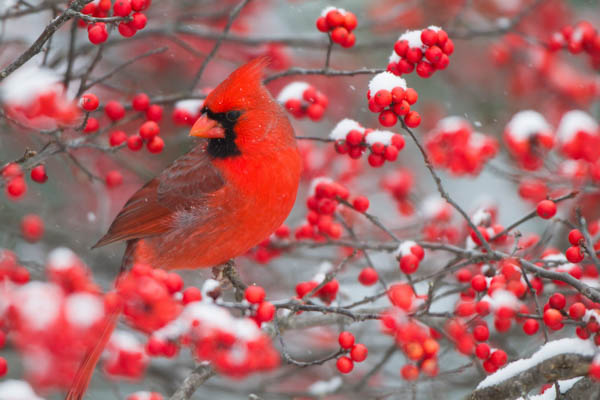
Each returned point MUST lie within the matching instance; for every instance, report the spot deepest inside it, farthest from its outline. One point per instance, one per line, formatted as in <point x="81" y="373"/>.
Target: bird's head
<point x="239" y="112"/>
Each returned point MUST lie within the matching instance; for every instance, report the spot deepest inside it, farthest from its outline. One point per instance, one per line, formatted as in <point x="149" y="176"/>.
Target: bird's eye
<point x="232" y="116"/>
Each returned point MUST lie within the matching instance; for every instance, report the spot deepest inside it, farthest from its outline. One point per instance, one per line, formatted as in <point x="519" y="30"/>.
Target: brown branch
<point x="37" y="46"/>
<point x="560" y="367"/>
<point x="193" y="381"/>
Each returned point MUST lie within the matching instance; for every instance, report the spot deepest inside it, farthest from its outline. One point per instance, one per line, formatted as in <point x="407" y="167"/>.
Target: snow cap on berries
<point x="378" y="136"/>
<point x="385" y="80"/>
<point x="527" y="123"/>
<point x="414" y="40"/>
<point x="404" y="248"/>
<point x="342" y="128"/>
<point x="293" y="90"/>
<point x="575" y="121"/>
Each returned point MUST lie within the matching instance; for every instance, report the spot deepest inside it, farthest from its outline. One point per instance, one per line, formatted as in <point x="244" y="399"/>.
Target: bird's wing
<point x="187" y="182"/>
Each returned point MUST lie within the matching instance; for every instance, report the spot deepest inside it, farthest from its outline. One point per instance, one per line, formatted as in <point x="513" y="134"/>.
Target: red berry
<point x="38" y="174"/>
<point x="388" y="118"/>
<point x="401" y="47"/>
<point x="139" y="21"/>
<point x="482" y="351"/>
<point x="154" y="113"/>
<point x="391" y="153"/>
<point x="315" y="112"/>
<point x="425" y="69"/>
<point x="16" y="188"/>
<point x="575" y="237"/>
<point x="126" y="30"/>
<point x="411" y="96"/>
<point x="546" y="209"/>
<point x="322" y="24"/>
<point x="254" y="294"/>
<point x="594" y="371"/>
<point x="448" y="47"/>
<point x="361" y="204"/>
<point x="410" y="372"/>
<point x="577" y="310"/>
<point x="359" y="352"/>
<point x="140" y="102"/>
<point x="346" y="340"/>
<point x="479" y="283"/>
<point x="552" y="317"/>
<point x="350" y="40"/>
<point x="354" y="137"/>
<point x="383" y="98"/>
<point x="113" y="179"/>
<point x="574" y="254"/>
<point x="117" y="138"/>
<point x="139" y="5"/>
<point x="122" y="8"/>
<point x="339" y="35"/>
<point x="368" y="276"/>
<point x="499" y="358"/>
<point x="191" y="294"/>
<point x="265" y="311"/>
<point x="429" y="37"/>
<point x="350" y="21"/>
<point x="155" y="145"/>
<point x="89" y="102"/>
<point x="334" y="18"/>
<point x="412" y="119"/>
<point x="414" y="54"/>
<point x="91" y="125"/>
<point x="3" y="366"/>
<point x="531" y="326"/>
<point x="409" y="263"/>
<point x="114" y="110"/>
<point x="481" y="333"/>
<point x="344" y="364"/>
<point x="433" y="54"/>
<point x="149" y="130"/>
<point x="32" y="228"/>
<point x="97" y="33"/>
<point x="135" y="142"/>
<point x="557" y="301"/>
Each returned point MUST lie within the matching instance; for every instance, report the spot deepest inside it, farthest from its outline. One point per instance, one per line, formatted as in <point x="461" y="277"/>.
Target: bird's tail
<point x="87" y="366"/>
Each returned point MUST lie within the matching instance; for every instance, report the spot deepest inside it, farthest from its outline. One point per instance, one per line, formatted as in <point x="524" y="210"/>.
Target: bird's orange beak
<point x="207" y="128"/>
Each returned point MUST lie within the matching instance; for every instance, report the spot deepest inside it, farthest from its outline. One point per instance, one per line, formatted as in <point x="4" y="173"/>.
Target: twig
<point x="193" y="381"/>
<point x="37" y="46"/>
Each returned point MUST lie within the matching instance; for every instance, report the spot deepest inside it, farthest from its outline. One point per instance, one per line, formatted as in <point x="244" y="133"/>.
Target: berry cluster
<point x="358" y="352"/>
<point x="409" y="255"/>
<point x="115" y="111"/>
<point x="125" y="356"/>
<point x="575" y="253"/>
<point x="326" y="292"/>
<point x="454" y="145"/>
<point x="16" y="186"/>
<point x="147" y="295"/>
<point x="438" y="220"/>
<point x="417" y="342"/>
<point x="578" y="136"/>
<point x="302" y="99"/>
<point x="389" y="96"/>
<point x="264" y="311"/>
<point x="352" y="139"/>
<point x="130" y="9"/>
<point x="42" y="103"/>
<point x="485" y="221"/>
<point x="529" y="137"/>
<point x="324" y="199"/>
<point x="236" y="347"/>
<point x="339" y="24"/>
<point x="428" y="49"/>
<point x="399" y="184"/>
<point x="582" y="37"/>
<point x="53" y="323"/>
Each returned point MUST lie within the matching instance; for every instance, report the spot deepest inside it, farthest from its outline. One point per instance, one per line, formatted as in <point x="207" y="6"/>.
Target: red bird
<point x="216" y="202"/>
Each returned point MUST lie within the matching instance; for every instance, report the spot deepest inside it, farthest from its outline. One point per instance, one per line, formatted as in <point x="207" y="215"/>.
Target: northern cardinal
<point x="216" y="202"/>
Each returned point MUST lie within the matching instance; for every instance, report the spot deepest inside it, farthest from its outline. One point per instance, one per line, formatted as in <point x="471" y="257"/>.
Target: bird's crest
<point x="242" y="89"/>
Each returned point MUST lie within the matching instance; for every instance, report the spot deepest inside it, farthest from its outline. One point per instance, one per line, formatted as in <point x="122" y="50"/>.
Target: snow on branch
<point x="557" y="360"/>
